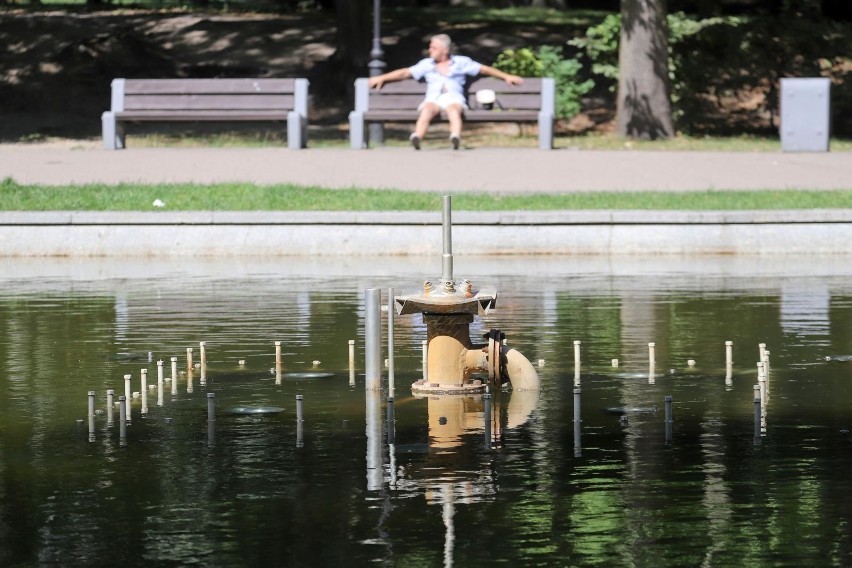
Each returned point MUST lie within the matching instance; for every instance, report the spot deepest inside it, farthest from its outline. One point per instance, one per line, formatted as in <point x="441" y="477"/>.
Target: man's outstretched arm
<point x="492" y="72"/>
<point x="398" y="75"/>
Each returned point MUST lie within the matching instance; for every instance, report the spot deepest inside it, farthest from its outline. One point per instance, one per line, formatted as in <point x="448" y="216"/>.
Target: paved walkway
<point x="493" y="170"/>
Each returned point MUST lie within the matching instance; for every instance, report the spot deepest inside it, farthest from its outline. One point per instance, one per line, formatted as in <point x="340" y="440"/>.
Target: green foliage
<point x="548" y="61"/>
<point x="725" y="69"/>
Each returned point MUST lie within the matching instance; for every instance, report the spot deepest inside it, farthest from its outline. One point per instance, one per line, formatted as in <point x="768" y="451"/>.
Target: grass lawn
<point x="285" y="197"/>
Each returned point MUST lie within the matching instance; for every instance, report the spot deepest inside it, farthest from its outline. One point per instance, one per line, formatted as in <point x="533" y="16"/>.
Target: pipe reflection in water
<point x="189" y="360"/>
<point x="374" y="439"/>
<point x="487" y="420"/>
<point x="211" y="406"/>
<point x="351" y="362"/>
<point x="652" y="376"/>
<point x="122" y="420"/>
<point x="448" y="511"/>
<point x="668" y="420"/>
<point x="391" y="425"/>
<point x="578" y="420"/>
<point x="211" y="433"/>
<point x="757" y="415"/>
<point x="189" y="387"/>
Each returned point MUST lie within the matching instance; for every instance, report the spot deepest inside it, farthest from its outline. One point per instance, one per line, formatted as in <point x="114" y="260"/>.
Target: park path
<point x="492" y="170"/>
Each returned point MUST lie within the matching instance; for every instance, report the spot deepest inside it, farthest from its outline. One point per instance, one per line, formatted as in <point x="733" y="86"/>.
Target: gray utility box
<point x="805" y="115"/>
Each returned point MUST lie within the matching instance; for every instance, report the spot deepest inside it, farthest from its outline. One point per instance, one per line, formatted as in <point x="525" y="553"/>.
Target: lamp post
<point x="376" y="66"/>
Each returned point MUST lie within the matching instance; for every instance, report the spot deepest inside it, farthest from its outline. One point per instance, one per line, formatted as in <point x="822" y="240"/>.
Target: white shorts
<point x="446" y="99"/>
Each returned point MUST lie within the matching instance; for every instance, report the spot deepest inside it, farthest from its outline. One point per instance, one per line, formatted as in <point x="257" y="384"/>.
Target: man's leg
<point x="454" y="115"/>
<point x="427" y="113"/>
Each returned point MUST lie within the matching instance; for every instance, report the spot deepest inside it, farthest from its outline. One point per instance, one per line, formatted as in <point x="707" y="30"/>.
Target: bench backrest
<point x="210" y="94"/>
<point x="533" y="94"/>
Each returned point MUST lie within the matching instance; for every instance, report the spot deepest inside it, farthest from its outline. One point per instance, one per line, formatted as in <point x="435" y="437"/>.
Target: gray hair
<point x="444" y="39"/>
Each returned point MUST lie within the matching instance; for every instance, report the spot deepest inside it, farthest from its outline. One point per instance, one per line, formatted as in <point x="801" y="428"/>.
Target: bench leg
<point x="357" y="132"/>
<point x="297" y="131"/>
<point x="112" y="132"/>
<point x="545" y="131"/>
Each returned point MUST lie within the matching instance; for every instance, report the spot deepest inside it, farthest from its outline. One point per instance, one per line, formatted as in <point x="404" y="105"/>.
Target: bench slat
<point x="208" y="86"/>
<point x="510" y="102"/>
<point x="470" y="116"/>
<point x="208" y="102"/>
<point x="200" y="115"/>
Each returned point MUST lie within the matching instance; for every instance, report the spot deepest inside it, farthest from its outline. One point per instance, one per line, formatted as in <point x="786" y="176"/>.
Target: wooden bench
<point x="533" y="101"/>
<point x="221" y="100"/>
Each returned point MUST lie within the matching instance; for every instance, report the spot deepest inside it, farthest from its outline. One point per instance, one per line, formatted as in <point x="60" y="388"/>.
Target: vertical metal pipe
<point x="615" y="363"/>
<point x="277" y="353"/>
<point x="144" y="390"/>
<point x="447" y="258"/>
<point x="122" y="419"/>
<point x="762" y="350"/>
<point x="729" y="353"/>
<point x="424" y="346"/>
<point x="373" y="338"/>
<point x="391" y="421"/>
<point x="128" y="394"/>
<point x="160" y="380"/>
<point x="652" y="356"/>
<point x="668" y="419"/>
<point x="91" y="400"/>
<point x="211" y="406"/>
<point x="390" y="343"/>
<point x="576" y="354"/>
<point x="202" y="353"/>
<point x="202" y="380"/>
<point x="300" y="410"/>
<point x="174" y="376"/>
<point x="110" y="397"/>
<point x="189" y="359"/>
<point x="487" y="419"/>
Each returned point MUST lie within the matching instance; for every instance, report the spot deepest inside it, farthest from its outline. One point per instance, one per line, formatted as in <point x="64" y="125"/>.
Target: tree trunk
<point x="644" y="105"/>
<point x="354" y="35"/>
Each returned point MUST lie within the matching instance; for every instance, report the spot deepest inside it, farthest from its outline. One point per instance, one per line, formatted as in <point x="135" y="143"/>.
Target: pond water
<point x="264" y="490"/>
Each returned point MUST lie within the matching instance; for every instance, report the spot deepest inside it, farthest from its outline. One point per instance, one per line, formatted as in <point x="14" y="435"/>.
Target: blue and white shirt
<point x="437" y="83"/>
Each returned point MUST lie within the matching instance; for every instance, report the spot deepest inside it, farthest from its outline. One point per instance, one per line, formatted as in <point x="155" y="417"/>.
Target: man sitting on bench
<point x="445" y="75"/>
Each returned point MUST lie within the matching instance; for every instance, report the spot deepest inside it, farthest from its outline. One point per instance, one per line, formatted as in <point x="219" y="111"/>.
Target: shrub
<point x="724" y="71"/>
<point x="549" y="62"/>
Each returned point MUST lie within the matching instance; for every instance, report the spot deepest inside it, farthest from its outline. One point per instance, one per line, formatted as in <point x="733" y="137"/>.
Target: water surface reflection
<point x="268" y="490"/>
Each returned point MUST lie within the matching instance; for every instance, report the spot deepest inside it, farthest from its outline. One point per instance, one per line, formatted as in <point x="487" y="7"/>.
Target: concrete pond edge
<point x="365" y="233"/>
